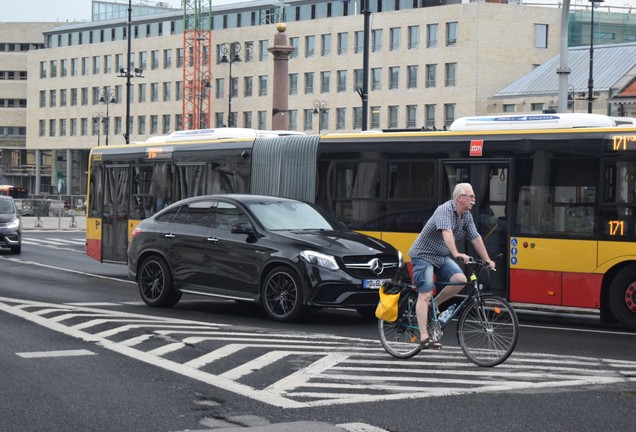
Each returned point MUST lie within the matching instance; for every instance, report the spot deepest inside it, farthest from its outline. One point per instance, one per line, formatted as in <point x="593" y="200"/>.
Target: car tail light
<point x="135" y="233"/>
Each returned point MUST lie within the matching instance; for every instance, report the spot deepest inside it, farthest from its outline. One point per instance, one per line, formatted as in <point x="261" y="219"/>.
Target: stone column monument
<point x="280" y="100"/>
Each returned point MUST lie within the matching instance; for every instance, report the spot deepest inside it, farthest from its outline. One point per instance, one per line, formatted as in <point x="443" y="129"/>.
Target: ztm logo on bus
<point x="476" y="147"/>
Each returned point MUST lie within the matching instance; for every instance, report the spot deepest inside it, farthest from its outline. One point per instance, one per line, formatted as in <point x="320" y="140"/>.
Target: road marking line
<point x="46" y="354"/>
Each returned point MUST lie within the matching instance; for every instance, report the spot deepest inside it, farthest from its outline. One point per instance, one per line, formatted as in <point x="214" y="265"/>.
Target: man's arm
<point x="478" y="243"/>
<point x="449" y="240"/>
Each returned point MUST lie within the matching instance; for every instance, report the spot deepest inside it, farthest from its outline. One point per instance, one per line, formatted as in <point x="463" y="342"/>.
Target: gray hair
<point x="460" y="188"/>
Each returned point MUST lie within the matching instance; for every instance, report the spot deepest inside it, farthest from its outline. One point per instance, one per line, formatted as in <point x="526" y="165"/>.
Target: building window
<point x="357" y="79"/>
<point x="262" y="46"/>
<point x="96" y="65"/>
<point x="451" y="34"/>
<point x="308" y="115"/>
<point x="154" y="59"/>
<point x="42" y="69"/>
<point x="310" y="42"/>
<point x="262" y="119"/>
<point x="142" y="92"/>
<point x="429" y="116"/>
<point x="536" y="107"/>
<point x="342" y="43"/>
<point x="376" y="78"/>
<point x="376" y="40"/>
<point x="357" y="118"/>
<point x="326" y="45"/>
<point x="42" y="98"/>
<point x="325" y="78"/>
<point x="141" y="125"/>
<point x="248" y="86"/>
<point x="167" y="58"/>
<point x="509" y="108"/>
<point x="262" y="85"/>
<point x="359" y="42"/>
<point x="394" y="34"/>
<point x="414" y="37"/>
<point x="375" y="117"/>
<point x="540" y="35"/>
<point x="431" y="35"/>
<point x="394" y="77"/>
<point x="166" y="92"/>
<point x="341" y="114"/>
<point x="293" y="42"/>
<point x="42" y="128"/>
<point x="412" y="72"/>
<point x="431" y="75"/>
<point x="293" y="84"/>
<point x="449" y="114"/>
<point x="451" y="69"/>
<point x="393" y="116"/>
<point x="154" y="92"/>
<point x="247" y="119"/>
<point x="309" y="83"/>
<point x="342" y="81"/>
<point x="411" y="116"/>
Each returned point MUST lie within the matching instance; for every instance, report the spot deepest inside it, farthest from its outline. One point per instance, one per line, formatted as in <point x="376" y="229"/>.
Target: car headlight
<point x="319" y="259"/>
<point x="14" y="224"/>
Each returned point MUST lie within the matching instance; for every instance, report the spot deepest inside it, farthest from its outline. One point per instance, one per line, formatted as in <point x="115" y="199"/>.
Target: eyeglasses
<point x="472" y="197"/>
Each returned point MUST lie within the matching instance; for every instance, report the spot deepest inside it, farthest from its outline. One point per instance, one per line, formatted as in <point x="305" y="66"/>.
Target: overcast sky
<point x="80" y="10"/>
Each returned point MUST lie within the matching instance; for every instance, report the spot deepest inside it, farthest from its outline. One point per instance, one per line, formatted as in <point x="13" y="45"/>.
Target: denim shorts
<point x="423" y="272"/>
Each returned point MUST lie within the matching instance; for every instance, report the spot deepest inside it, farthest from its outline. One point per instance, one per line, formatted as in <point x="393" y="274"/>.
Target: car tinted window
<point x="226" y="214"/>
<point x="196" y="213"/>
<point x="289" y="215"/>
<point x="168" y="216"/>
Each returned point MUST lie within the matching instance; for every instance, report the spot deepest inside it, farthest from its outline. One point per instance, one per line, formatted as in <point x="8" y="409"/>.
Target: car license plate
<point x="373" y="283"/>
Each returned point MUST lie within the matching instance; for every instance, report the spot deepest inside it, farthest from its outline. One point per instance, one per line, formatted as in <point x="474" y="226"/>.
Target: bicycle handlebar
<point x="480" y="263"/>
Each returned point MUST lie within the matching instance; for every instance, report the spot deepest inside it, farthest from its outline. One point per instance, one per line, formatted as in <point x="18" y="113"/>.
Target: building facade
<point x="17" y="165"/>
<point x="429" y="63"/>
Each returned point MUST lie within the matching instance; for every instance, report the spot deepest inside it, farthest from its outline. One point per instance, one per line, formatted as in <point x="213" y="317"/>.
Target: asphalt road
<point x="81" y="352"/>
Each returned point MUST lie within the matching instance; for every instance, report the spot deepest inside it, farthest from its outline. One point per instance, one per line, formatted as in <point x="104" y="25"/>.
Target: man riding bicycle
<point x="435" y="252"/>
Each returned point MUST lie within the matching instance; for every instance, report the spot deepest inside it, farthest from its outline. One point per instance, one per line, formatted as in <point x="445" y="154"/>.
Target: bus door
<point x="490" y="181"/>
<point x="115" y="213"/>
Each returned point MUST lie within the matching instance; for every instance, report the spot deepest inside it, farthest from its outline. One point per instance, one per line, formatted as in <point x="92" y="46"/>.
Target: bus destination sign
<point x="164" y="152"/>
<point x="621" y="143"/>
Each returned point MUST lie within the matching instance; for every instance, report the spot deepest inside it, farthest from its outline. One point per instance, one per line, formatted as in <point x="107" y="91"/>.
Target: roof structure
<point x="611" y="64"/>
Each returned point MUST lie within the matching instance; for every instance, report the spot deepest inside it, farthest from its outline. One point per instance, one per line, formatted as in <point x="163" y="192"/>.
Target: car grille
<point x="372" y="266"/>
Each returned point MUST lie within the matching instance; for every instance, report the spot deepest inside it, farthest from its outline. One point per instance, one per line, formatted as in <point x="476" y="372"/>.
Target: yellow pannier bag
<point x="387" y="309"/>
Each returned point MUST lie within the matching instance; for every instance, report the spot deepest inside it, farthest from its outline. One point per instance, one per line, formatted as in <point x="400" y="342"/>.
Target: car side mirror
<point x="242" y="228"/>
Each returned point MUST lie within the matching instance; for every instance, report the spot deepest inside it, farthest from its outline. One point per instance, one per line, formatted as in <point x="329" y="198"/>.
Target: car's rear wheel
<point x="155" y="283"/>
<point x="282" y="294"/>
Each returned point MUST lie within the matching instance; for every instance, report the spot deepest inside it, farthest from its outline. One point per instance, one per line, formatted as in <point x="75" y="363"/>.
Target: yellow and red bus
<point x="14" y="191"/>
<point x="556" y="193"/>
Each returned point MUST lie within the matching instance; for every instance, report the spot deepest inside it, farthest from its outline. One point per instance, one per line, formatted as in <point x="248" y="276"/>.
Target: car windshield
<point x="289" y="215"/>
<point x="6" y="207"/>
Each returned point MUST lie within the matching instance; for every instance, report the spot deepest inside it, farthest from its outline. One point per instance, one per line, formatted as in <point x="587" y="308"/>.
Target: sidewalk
<point x="75" y="223"/>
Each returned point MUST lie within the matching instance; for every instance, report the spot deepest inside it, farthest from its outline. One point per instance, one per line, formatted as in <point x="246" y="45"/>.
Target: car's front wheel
<point x="155" y="283"/>
<point x="282" y="294"/>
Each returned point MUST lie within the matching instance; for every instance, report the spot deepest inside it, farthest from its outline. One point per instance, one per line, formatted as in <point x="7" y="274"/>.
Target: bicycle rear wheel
<point x="401" y="338"/>
<point x="488" y="331"/>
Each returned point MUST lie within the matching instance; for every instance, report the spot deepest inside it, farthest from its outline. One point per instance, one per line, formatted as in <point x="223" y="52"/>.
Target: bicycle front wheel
<point x="401" y="338"/>
<point x="488" y="331"/>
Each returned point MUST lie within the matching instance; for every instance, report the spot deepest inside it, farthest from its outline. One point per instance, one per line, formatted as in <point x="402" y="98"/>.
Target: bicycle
<point x="487" y="327"/>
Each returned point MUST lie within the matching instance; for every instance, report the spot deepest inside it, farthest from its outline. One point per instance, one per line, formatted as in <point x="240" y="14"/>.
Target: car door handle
<point x="213" y="239"/>
<point x="169" y="236"/>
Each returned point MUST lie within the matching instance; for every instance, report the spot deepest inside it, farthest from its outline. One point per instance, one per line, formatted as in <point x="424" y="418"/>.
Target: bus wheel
<point x="155" y="283"/>
<point x="282" y="294"/>
<point x="622" y="297"/>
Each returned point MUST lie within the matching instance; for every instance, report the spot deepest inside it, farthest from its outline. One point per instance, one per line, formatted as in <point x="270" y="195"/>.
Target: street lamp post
<point x="97" y="119"/>
<point x="590" y="83"/>
<point x="107" y="96"/>
<point x="230" y="56"/>
<point x="320" y="107"/>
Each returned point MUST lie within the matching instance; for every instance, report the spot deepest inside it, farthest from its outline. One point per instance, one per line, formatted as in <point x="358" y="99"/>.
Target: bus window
<point x="357" y="193"/>
<point x="410" y="198"/>
<point x="619" y="199"/>
<point x="555" y="196"/>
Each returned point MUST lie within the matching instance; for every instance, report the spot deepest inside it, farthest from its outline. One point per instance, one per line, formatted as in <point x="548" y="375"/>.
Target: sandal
<point x="430" y="343"/>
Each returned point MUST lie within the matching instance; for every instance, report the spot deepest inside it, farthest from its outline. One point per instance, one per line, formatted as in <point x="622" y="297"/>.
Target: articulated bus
<point x="556" y="193"/>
